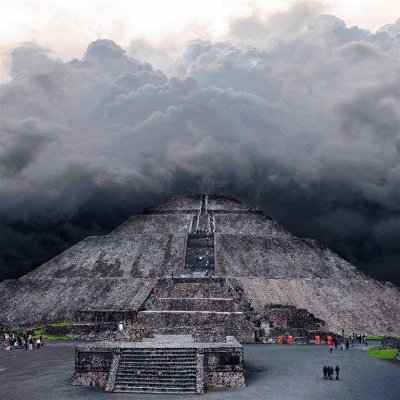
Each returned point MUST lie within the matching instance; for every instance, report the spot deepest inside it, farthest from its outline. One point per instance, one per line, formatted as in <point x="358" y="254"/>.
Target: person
<point x="330" y="349"/>
<point x="337" y="369"/>
<point x="41" y="341"/>
<point x="38" y="343"/>
<point x="366" y="342"/>
<point x="30" y="343"/>
<point x="331" y="372"/>
<point x="325" y="371"/>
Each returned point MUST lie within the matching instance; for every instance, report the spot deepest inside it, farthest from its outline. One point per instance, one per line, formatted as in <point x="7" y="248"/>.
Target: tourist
<point x="38" y="343"/>
<point x="30" y="343"/>
<point x="330" y="349"/>
<point x="337" y="369"/>
<point x="325" y="371"/>
<point x="330" y="372"/>
<point x="366" y="342"/>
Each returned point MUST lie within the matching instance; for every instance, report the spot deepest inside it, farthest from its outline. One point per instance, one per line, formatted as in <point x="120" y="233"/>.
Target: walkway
<point x="274" y="372"/>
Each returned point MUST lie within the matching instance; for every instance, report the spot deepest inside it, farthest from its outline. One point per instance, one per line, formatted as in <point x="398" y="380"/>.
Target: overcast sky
<point x="107" y="107"/>
<point x="66" y="27"/>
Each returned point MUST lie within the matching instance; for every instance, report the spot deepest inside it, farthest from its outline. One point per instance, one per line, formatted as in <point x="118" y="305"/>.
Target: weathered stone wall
<point x="288" y="316"/>
<point x="35" y="302"/>
<point x="249" y="224"/>
<point x="133" y="256"/>
<point x="341" y="303"/>
<point x="92" y="366"/>
<point x="106" y="316"/>
<point x="155" y="224"/>
<point x="278" y="258"/>
<point x="389" y="342"/>
<point x="209" y="335"/>
<point x="177" y="204"/>
<point x="224" y="367"/>
<point x="226" y="204"/>
<point x="195" y="304"/>
<point x="200" y="288"/>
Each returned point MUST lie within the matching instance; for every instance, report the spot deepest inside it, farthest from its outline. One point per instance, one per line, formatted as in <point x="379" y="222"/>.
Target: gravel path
<point x="272" y="372"/>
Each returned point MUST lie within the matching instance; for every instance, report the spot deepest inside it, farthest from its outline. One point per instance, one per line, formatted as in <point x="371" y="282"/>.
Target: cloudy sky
<point x="107" y="107"/>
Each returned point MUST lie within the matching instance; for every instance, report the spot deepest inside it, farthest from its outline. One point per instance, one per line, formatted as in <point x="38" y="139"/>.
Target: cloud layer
<point x="296" y="113"/>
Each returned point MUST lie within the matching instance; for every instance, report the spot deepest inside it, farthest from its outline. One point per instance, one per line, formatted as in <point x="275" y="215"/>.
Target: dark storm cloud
<point x="297" y="114"/>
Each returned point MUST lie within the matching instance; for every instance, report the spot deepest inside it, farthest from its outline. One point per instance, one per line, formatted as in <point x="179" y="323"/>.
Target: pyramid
<point x="195" y="237"/>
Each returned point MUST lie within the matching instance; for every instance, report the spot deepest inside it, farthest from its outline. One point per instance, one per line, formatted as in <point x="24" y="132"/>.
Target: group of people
<point x="22" y="341"/>
<point x="358" y="338"/>
<point x="328" y="372"/>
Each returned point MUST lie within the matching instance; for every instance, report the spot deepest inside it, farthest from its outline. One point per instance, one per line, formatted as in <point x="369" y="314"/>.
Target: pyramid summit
<point x="220" y="254"/>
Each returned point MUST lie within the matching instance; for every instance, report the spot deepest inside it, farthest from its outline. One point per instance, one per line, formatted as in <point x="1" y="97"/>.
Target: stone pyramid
<point x="198" y="236"/>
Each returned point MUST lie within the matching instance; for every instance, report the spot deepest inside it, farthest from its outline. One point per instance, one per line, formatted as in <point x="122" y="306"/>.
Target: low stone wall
<point x="224" y="367"/>
<point x="84" y="331"/>
<point x="92" y="366"/>
<point x="209" y="335"/>
<point x="225" y="379"/>
<point x="194" y="304"/>
<point x="287" y="316"/>
<point x="187" y="318"/>
<point x="389" y="342"/>
<point x="87" y="331"/>
<point x="104" y="316"/>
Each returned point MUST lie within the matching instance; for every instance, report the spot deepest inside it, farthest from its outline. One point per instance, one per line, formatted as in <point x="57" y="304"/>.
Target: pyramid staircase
<point x="195" y="300"/>
<point x="186" y="304"/>
<point x="155" y="370"/>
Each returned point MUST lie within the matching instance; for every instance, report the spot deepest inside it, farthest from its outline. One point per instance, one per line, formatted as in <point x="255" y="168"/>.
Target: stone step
<point x="158" y="374"/>
<point x="156" y="383"/>
<point x="136" y="365"/>
<point x="146" y="360"/>
<point x="161" y="357"/>
<point x="151" y="381"/>
<point x="158" y="361"/>
<point x="138" y="389"/>
<point x="161" y="351"/>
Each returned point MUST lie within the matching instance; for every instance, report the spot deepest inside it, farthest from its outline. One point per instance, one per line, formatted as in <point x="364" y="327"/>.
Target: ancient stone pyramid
<point x="195" y="236"/>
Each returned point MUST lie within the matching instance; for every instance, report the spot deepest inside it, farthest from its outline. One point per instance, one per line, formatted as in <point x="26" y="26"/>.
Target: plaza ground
<point x="272" y="372"/>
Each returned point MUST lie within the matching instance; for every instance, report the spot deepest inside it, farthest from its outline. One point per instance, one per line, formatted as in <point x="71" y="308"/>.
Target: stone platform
<point x="163" y="364"/>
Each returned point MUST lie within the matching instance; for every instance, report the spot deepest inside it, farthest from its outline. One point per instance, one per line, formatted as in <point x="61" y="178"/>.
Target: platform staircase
<point x="155" y="370"/>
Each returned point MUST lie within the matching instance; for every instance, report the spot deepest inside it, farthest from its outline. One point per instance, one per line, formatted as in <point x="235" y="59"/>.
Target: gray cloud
<point x="299" y="118"/>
